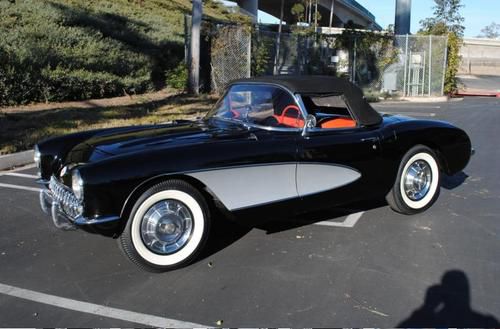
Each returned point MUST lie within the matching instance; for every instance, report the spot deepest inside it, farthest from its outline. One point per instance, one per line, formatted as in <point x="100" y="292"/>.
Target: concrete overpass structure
<point x="334" y="13"/>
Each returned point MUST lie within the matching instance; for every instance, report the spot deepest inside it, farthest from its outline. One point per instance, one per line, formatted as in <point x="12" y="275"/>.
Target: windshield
<point x="262" y="105"/>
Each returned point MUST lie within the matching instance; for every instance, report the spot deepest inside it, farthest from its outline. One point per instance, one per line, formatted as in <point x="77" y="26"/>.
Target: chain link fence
<point x="382" y="65"/>
<point x="231" y="55"/>
<point x="420" y="67"/>
<point x="226" y="53"/>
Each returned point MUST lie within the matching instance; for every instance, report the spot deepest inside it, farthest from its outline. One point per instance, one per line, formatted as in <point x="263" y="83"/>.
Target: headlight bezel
<point x="37" y="156"/>
<point x="77" y="184"/>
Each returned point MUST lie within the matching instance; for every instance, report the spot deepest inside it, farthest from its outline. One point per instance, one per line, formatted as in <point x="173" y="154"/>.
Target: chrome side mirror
<point x="310" y="124"/>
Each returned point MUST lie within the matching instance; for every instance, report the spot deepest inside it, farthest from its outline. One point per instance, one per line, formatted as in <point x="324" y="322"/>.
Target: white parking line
<point x="95" y="309"/>
<point x="29" y="166"/>
<point x="15" y="174"/>
<point x="20" y="187"/>
<point x="349" y="222"/>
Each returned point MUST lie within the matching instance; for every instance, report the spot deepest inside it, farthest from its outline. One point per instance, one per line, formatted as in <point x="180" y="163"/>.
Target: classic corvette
<point x="283" y="142"/>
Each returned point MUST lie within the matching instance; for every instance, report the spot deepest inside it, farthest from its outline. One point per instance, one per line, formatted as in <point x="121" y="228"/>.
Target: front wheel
<point x="417" y="184"/>
<point x="167" y="227"/>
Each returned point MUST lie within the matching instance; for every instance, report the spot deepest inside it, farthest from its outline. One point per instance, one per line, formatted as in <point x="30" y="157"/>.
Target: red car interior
<point x="290" y="117"/>
<point x="339" y="123"/>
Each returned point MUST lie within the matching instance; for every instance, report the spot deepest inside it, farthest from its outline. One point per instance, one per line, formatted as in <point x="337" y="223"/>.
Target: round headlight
<point x="37" y="156"/>
<point x="77" y="184"/>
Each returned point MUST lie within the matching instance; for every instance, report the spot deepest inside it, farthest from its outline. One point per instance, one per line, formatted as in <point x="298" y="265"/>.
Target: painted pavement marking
<point x="20" y="187"/>
<point x="349" y="222"/>
<point x="15" y="174"/>
<point x="95" y="309"/>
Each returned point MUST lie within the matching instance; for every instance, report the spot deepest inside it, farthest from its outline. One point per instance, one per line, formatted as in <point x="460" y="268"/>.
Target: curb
<point x="479" y="93"/>
<point x="16" y="159"/>
<point x="439" y="99"/>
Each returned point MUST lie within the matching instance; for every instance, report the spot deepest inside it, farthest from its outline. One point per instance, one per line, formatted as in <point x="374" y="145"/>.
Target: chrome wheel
<point x="166" y="227"/>
<point x="417" y="180"/>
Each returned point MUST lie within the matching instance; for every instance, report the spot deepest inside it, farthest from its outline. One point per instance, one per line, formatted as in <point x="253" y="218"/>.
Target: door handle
<point x="253" y="137"/>
<point x="370" y="139"/>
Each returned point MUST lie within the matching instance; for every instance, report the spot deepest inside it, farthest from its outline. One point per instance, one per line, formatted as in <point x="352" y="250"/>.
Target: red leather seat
<point x="339" y="123"/>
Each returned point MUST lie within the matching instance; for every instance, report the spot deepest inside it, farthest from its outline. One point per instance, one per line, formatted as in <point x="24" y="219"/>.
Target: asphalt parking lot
<point x="356" y="268"/>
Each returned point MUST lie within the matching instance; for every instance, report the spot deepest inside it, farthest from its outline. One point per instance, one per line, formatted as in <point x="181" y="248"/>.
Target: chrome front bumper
<point x="58" y="201"/>
<point x="52" y="207"/>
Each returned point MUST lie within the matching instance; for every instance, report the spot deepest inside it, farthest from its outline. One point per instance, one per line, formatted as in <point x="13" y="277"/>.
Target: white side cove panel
<point x="243" y="187"/>
<point x="315" y="178"/>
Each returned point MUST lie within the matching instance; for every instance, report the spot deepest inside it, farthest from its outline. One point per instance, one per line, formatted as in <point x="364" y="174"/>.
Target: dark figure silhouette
<point x="448" y="305"/>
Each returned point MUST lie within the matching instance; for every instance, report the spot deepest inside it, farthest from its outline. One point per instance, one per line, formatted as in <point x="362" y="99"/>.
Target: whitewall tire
<point x="417" y="184"/>
<point x="167" y="227"/>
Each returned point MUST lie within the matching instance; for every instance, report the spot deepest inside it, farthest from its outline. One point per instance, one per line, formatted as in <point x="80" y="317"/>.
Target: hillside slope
<point x="53" y="50"/>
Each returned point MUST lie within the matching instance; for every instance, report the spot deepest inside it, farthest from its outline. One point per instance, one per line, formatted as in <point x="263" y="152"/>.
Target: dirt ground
<point x="21" y="127"/>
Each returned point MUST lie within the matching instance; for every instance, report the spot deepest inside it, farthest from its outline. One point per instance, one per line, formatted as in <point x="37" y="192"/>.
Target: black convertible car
<point x="294" y="143"/>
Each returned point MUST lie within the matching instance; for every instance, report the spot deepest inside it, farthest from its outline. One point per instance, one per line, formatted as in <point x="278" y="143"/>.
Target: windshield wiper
<point x="238" y="122"/>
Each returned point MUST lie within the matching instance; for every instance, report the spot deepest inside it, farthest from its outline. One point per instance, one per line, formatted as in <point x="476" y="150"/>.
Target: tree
<point x="298" y="11"/>
<point x="447" y="20"/>
<point x="446" y="12"/>
<point x="491" y="31"/>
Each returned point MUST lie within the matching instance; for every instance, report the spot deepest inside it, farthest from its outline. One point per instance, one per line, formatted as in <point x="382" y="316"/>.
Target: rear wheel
<point x="417" y="184"/>
<point x="167" y="227"/>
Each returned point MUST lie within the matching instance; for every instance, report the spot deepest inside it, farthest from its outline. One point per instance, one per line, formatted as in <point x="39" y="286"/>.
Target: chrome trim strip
<point x="98" y="220"/>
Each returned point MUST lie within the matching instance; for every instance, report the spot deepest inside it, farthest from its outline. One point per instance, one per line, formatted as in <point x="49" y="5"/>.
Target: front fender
<point x="109" y="182"/>
<point x="452" y="144"/>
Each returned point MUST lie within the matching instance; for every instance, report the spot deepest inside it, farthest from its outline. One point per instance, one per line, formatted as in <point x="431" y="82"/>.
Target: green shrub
<point x="178" y="77"/>
<point x="55" y="50"/>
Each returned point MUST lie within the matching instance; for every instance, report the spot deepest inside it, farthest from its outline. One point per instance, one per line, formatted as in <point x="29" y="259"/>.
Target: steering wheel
<point x="246" y="111"/>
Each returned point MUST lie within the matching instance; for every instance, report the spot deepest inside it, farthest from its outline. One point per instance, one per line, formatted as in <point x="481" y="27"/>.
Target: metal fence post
<point x="405" y="67"/>
<point x="249" y="54"/>
<point x="353" y="73"/>
<point x="278" y="40"/>
<point x="430" y="64"/>
<point x="186" y="42"/>
<point x="444" y="64"/>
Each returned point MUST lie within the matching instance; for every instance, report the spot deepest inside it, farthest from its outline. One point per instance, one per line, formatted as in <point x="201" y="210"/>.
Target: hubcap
<point x="166" y="227"/>
<point x="417" y="180"/>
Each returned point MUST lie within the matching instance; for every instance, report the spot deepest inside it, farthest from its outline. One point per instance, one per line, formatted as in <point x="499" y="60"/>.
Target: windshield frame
<point x="295" y="97"/>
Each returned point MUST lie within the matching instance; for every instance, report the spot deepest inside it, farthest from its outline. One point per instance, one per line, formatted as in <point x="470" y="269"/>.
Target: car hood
<point x="113" y="142"/>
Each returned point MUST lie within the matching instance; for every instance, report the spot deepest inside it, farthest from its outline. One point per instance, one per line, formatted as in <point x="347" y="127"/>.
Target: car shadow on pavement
<point x="448" y="305"/>
<point x="283" y="223"/>
<point x="223" y="233"/>
<point x="452" y="182"/>
<point x="226" y="230"/>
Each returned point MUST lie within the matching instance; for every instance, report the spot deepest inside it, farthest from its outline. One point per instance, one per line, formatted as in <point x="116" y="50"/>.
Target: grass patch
<point x="60" y="50"/>
<point x="20" y="130"/>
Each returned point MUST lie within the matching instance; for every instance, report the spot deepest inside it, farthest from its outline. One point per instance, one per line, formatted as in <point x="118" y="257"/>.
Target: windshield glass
<point x="263" y="105"/>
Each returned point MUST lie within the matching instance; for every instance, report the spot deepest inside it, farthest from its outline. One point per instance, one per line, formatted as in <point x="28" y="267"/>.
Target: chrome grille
<point x="63" y="195"/>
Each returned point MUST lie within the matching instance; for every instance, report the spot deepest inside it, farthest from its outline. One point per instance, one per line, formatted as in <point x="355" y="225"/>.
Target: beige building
<point x="480" y="57"/>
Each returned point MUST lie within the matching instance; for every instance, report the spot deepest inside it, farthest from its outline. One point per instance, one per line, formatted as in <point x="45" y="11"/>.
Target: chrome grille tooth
<point x="65" y="197"/>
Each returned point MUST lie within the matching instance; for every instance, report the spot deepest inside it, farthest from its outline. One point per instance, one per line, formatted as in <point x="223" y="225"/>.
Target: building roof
<point x="319" y="84"/>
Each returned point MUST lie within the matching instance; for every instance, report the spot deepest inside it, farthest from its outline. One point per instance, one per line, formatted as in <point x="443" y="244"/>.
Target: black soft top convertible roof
<point x="317" y="85"/>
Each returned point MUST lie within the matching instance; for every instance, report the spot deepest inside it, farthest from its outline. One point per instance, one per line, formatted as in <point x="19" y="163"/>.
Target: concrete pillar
<point x="332" y="8"/>
<point x="403" y="17"/>
<point x="194" y="63"/>
<point x="251" y="7"/>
